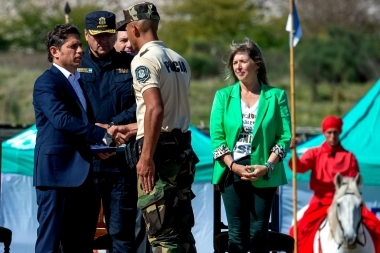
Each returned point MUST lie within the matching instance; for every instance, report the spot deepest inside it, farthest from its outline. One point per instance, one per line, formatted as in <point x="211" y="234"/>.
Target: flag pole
<point x="293" y="115"/>
<point x="67" y="12"/>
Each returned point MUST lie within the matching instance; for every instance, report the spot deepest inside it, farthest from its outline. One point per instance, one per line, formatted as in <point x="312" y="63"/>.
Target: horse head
<point x="345" y="212"/>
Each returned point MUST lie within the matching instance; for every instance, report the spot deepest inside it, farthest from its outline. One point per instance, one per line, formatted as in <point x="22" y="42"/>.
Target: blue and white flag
<point x="297" y="32"/>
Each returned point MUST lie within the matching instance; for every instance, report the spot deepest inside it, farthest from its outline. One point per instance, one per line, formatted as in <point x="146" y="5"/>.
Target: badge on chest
<point x="84" y="70"/>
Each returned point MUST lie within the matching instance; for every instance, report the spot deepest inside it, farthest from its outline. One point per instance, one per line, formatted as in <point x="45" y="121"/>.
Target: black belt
<point x="183" y="139"/>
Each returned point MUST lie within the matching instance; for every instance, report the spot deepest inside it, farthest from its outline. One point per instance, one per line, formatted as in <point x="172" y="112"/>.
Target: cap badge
<point x="102" y="21"/>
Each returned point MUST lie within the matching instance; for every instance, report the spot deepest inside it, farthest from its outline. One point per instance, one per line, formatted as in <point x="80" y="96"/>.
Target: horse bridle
<point x="357" y="229"/>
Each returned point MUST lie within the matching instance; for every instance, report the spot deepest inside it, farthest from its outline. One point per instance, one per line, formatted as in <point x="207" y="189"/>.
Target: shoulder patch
<point x="142" y="74"/>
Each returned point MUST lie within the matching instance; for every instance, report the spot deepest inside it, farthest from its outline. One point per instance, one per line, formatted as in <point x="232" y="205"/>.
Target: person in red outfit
<point x="325" y="162"/>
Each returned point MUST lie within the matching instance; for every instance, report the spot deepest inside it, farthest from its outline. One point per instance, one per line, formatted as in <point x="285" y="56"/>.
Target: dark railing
<point x="7" y="130"/>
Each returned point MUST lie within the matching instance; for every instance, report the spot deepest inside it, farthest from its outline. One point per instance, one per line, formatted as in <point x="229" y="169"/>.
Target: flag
<point x="297" y="32"/>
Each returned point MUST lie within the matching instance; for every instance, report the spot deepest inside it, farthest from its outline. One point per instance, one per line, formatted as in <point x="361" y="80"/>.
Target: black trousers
<point x="118" y="192"/>
<point x="248" y="211"/>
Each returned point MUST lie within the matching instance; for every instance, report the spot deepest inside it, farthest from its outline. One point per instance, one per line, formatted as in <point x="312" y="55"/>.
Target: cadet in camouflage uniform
<point x="166" y="165"/>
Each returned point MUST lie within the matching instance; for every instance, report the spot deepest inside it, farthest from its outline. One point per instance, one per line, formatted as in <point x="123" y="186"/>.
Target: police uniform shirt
<point x="108" y="86"/>
<point x="156" y="66"/>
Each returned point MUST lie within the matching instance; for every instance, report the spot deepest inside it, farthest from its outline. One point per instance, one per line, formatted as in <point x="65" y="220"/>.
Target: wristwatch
<point x="269" y="166"/>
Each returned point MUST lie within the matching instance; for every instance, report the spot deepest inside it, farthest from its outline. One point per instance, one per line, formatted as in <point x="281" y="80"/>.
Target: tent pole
<point x="1" y="157"/>
<point x="293" y="125"/>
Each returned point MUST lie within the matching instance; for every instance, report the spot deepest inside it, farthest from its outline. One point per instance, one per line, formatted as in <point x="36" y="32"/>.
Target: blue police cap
<point x="100" y="22"/>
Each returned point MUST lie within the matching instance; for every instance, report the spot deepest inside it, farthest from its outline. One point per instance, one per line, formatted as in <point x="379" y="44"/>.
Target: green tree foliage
<point x="198" y="57"/>
<point x="4" y="42"/>
<point x="205" y="20"/>
<point x="27" y="31"/>
<point x="341" y="56"/>
<point x="203" y="30"/>
<point x="77" y="18"/>
<point x="270" y="34"/>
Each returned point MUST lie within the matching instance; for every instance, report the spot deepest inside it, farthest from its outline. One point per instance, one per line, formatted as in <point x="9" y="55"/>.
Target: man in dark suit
<point x="62" y="160"/>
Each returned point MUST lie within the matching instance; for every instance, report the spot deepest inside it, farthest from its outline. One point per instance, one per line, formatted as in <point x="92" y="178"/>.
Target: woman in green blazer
<point x="250" y="136"/>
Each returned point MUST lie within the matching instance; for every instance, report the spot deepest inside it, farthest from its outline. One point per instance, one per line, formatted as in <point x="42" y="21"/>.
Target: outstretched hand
<point x="104" y="156"/>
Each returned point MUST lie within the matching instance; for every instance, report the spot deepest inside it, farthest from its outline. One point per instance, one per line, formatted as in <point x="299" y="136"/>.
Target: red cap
<point x="332" y="122"/>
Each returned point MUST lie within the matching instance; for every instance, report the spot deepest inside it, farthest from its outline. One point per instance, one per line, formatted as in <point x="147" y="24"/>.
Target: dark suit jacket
<point x="62" y="155"/>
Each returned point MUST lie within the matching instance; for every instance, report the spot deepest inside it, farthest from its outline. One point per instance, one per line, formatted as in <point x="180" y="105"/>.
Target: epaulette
<point x="142" y="53"/>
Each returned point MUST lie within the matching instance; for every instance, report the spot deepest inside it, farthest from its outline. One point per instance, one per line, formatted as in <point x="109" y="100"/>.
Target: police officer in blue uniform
<point x="107" y="82"/>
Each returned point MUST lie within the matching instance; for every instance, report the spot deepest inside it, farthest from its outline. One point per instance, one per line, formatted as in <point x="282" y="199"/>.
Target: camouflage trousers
<point x="167" y="210"/>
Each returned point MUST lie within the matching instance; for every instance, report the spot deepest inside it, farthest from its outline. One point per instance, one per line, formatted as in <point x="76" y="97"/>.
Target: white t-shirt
<point x="156" y="66"/>
<point x="244" y="142"/>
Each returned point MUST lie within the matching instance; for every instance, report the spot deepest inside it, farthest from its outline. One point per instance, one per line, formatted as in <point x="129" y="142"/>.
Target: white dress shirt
<point x="73" y="79"/>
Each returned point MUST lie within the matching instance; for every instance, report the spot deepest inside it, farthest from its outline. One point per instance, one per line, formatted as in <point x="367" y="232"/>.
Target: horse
<point x="342" y="231"/>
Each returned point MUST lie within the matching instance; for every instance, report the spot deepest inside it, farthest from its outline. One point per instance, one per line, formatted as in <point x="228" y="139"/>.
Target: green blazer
<point x="271" y="130"/>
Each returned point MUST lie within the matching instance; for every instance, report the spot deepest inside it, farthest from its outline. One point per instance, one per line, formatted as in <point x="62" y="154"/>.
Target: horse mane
<point x="348" y="186"/>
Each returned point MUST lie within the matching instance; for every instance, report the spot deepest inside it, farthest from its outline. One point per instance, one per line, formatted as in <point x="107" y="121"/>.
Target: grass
<point x="16" y="88"/>
<point x="201" y="96"/>
<point x="19" y="71"/>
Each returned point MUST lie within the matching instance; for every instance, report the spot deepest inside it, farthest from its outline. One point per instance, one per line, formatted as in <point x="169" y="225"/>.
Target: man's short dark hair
<point x="58" y="36"/>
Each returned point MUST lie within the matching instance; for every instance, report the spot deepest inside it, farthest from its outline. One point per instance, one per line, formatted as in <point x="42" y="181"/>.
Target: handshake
<point x="120" y="133"/>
